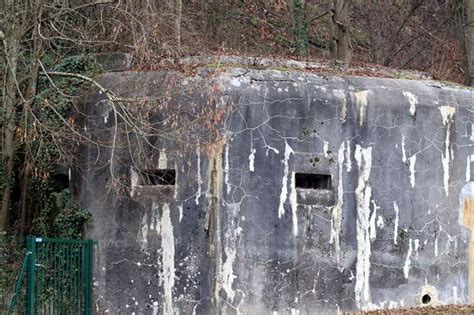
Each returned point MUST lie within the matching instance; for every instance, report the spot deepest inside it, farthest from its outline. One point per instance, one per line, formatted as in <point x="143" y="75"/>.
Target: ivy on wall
<point x="47" y="141"/>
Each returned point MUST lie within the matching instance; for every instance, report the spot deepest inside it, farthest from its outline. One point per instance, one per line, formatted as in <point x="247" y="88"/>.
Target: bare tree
<point x="29" y="31"/>
<point x="15" y="28"/>
<point x="214" y="18"/>
<point x="179" y="16"/>
<point x="339" y="30"/>
<point x="469" y="33"/>
<point x="300" y="26"/>
<point x="37" y="35"/>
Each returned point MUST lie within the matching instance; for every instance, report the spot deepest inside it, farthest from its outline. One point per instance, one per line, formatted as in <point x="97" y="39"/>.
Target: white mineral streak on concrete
<point x="133" y="180"/>
<point x="235" y="82"/>
<point x="155" y="224"/>
<point x="155" y="308"/>
<point x="373" y="216"/>
<point x="472" y="132"/>
<point x="199" y="178"/>
<point x="404" y="153"/>
<point x="163" y="160"/>
<point x="380" y="223"/>
<point x="413" y="102"/>
<point x="167" y="259"/>
<point x="294" y="205"/>
<point x="416" y="244"/>
<point x="436" y="247"/>
<point x="226" y="168"/>
<point x="392" y="304"/>
<point x="395" y="226"/>
<point x="106" y="116"/>
<point x="252" y="160"/>
<point x="176" y="188"/>
<point x="455" y="295"/>
<point x="406" y="267"/>
<point x="256" y="87"/>
<point x="180" y="209"/>
<point x="363" y="194"/>
<point x="361" y="102"/>
<point x="144" y="232"/>
<point x="412" y="162"/>
<point x="336" y="216"/>
<point x="269" y="148"/>
<point x="231" y="236"/>
<point x="340" y="94"/>
<point x="195" y="308"/>
<point x="348" y="157"/>
<point x="284" y="185"/>
<point x="470" y="159"/>
<point x="452" y="153"/>
<point x="326" y="149"/>
<point x="447" y="113"/>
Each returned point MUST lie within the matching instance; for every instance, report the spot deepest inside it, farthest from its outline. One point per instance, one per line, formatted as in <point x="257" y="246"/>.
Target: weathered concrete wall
<point x="236" y="235"/>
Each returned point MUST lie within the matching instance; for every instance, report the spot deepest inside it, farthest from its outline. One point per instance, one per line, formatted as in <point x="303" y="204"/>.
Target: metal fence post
<point x="19" y="282"/>
<point x="30" y="281"/>
<point x="88" y="277"/>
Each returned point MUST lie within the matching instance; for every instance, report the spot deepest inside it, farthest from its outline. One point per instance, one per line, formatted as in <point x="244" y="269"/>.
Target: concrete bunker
<point x="318" y="194"/>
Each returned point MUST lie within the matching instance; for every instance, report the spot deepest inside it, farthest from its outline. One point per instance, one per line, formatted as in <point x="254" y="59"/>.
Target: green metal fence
<point x="12" y="251"/>
<point x="58" y="276"/>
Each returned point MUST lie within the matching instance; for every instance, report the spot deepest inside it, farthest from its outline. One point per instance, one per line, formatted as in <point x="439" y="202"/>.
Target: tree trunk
<point x="216" y="16"/>
<point x="179" y="12"/>
<point x="300" y="26"/>
<point x="27" y="104"/>
<point x="372" y="44"/>
<point x="339" y="31"/>
<point x="11" y="44"/>
<point x="469" y="33"/>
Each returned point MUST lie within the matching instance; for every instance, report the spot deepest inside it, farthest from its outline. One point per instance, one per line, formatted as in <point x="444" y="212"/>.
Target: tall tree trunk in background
<point x="372" y="44"/>
<point x="300" y="26"/>
<point x="14" y="101"/>
<point x="469" y="33"/>
<point x="339" y="30"/>
<point x="178" y="18"/>
<point x="28" y="101"/>
<point x="11" y="46"/>
<point x="216" y="12"/>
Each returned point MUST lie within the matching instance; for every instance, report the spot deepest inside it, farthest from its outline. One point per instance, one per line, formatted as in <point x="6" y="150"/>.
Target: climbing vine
<point x="48" y="141"/>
